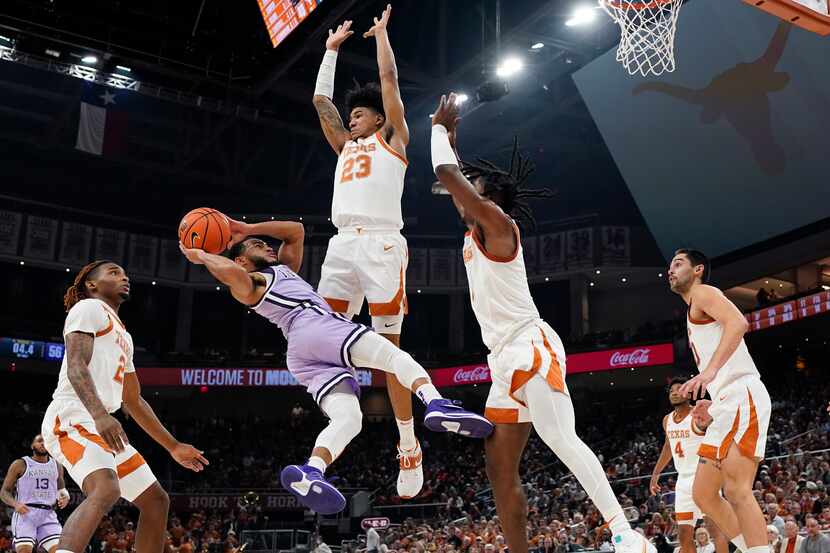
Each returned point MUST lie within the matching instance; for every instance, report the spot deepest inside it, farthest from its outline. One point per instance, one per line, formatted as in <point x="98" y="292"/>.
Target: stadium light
<point x="509" y="67"/>
<point x="53" y="53"/>
<point x="581" y="16"/>
<point x="123" y="69"/>
<point x="538" y="46"/>
<point x="460" y="99"/>
<point x="89" y="59"/>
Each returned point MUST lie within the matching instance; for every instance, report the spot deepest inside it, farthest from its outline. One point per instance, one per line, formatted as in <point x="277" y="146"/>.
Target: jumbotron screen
<point x="283" y="16"/>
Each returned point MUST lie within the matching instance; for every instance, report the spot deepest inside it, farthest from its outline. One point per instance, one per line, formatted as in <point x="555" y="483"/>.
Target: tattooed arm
<point x="78" y="355"/>
<point x="331" y="122"/>
<point x="16" y="470"/>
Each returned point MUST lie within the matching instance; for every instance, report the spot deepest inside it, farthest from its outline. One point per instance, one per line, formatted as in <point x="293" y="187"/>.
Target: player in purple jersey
<point x="323" y="350"/>
<point x="39" y="488"/>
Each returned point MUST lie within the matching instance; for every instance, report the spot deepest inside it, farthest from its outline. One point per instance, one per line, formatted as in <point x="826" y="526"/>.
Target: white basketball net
<point x="647" y="33"/>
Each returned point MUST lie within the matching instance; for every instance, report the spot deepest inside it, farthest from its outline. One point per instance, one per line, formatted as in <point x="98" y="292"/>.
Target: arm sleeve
<point x="88" y="317"/>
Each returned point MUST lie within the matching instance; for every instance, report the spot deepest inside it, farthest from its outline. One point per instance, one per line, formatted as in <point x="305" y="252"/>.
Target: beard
<point x="125" y="296"/>
<point x="261" y="263"/>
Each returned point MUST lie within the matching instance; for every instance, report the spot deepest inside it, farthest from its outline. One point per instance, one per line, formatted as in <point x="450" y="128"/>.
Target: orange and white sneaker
<point x="411" y="476"/>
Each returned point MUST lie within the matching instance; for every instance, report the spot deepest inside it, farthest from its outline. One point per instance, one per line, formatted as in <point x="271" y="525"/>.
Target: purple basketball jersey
<point x="39" y="484"/>
<point x="319" y="340"/>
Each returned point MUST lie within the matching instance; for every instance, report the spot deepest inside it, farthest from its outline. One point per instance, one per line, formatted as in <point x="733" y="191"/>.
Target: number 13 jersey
<point x="112" y="352"/>
<point x="368" y="185"/>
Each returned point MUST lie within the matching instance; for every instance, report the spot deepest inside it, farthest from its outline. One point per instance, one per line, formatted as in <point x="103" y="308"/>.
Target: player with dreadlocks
<point x="367" y="258"/>
<point x="527" y="358"/>
<point x="97" y="375"/>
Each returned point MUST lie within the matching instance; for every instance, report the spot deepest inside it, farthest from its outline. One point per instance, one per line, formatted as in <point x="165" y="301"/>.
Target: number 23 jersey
<point x="368" y="185"/>
<point x="112" y="352"/>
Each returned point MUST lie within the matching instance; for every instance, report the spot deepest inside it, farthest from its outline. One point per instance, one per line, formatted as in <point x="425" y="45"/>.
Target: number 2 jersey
<point x="368" y="185"/>
<point x="112" y="352"/>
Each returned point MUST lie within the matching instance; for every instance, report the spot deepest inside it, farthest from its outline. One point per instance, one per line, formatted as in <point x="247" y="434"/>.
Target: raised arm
<point x="498" y="229"/>
<point x="392" y="103"/>
<point x="79" y="347"/>
<point x="290" y="233"/>
<point x="662" y="462"/>
<point x="713" y="303"/>
<point x="330" y="120"/>
<point x="184" y="454"/>
<point x="246" y="287"/>
<point x="16" y="470"/>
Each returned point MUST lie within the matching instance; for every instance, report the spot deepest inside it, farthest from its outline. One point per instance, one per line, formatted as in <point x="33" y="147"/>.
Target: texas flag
<point x="102" y="126"/>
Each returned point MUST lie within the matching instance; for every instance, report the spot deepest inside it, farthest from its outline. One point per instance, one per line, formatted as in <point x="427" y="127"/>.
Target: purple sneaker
<point x="445" y="415"/>
<point x="310" y="487"/>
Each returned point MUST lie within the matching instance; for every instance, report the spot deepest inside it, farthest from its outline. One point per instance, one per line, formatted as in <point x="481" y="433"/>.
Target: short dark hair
<point x="697" y="257"/>
<point x="365" y="96"/>
<point x="676" y="380"/>
<point x="506" y="188"/>
<point x="237" y="249"/>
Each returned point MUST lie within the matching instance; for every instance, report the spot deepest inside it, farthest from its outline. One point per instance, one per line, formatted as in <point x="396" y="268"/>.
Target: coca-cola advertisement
<point x="460" y="376"/>
<point x="610" y="359"/>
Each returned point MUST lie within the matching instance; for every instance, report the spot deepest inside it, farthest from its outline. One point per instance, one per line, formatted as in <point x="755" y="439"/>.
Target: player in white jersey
<point x="367" y="258"/>
<point x="737" y="416"/>
<point x="683" y="438"/>
<point x="527" y="358"/>
<point x="97" y="374"/>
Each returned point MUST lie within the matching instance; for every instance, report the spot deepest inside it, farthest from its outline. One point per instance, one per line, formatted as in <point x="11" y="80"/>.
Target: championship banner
<point x="814" y="305"/>
<point x="772" y="316"/>
<point x="530" y="245"/>
<point x="442" y="267"/>
<point x="179" y="376"/>
<point x="110" y="244"/>
<point x="615" y="246"/>
<point x="580" y="250"/>
<point x="76" y="244"/>
<point x="10" y="223"/>
<point x="416" y="271"/>
<point x="143" y="253"/>
<point x="172" y="264"/>
<point x="41" y="238"/>
<point x="551" y="252"/>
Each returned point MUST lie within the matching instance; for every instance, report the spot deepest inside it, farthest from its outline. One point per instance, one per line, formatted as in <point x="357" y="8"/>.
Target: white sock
<point x="619" y="524"/>
<point x="740" y="543"/>
<point x="316" y="462"/>
<point x="760" y="549"/>
<point x="407" y="431"/>
<point x="427" y="392"/>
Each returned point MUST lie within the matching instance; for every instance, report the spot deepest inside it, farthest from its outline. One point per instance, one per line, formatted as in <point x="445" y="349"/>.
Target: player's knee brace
<point x="407" y="370"/>
<point x="346" y="422"/>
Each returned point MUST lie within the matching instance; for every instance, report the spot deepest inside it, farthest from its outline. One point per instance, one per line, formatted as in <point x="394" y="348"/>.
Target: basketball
<point x="206" y="229"/>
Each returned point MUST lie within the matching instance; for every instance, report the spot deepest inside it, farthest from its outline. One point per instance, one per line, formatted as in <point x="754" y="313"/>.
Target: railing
<point x="274" y="541"/>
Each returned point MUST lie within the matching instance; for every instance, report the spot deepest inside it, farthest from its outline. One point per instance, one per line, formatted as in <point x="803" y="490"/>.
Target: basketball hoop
<point x="647" y="33"/>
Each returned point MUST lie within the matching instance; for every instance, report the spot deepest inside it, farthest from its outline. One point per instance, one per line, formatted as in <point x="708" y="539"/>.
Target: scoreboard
<point x="31" y="349"/>
<point x="283" y="16"/>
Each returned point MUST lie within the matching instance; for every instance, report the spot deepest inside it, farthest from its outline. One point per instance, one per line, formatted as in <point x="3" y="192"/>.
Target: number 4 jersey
<point x="112" y="352"/>
<point x="368" y="185"/>
<point x="685" y="439"/>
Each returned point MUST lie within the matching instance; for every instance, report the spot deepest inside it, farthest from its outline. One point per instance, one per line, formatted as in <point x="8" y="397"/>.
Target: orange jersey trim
<point x="390" y="149"/>
<point x="749" y="440"/>
<point x="106" y="330"/>
<point x="495" y="258"/>
<point x="338" y="306"/>
<point x="114" y="314"/>
<point x="94" y="438"/>
<point x="392" y="307"/>
<point x="704" y="321"/>
<point x="72" y="450"/>
<point x="554" y="377"/>
<point x="520" y="378"/>
<point x="708" y="451"/>
<point x="500" y="415"/>
<point x="684" y="516"/>
<point x="130" y="465"/>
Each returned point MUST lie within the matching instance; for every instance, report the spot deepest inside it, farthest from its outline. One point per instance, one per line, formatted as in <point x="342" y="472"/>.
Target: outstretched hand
<point x="446" y="114"/>
<point x="380" y="24"/>
<point x="338" y="37"/>
<point x="189" y="457"/>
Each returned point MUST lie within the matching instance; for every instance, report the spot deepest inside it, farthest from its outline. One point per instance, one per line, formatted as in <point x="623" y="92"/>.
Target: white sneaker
<point x="411" y="476"/>
<point x="632" y="541"/>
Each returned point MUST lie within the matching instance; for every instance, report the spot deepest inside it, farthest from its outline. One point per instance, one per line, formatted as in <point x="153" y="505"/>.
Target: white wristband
<point x="442" y="152"/>
<point x="325" y="77"/>
<point x="63" y="493"/>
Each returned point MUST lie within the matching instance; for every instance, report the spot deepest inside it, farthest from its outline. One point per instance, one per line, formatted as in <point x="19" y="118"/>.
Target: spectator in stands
<point x="762" y="297"/>
<point x="703" y="542"/>
<point x="815" y="542"/>
<point x="791" y="542"/>
<point x="773" y="538"/>
<point x="773" y="517"/>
